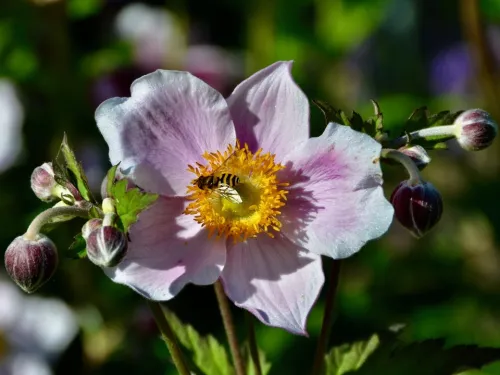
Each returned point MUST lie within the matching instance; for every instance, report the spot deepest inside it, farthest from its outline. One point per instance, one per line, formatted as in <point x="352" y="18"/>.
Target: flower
<point x="295" y="198"/>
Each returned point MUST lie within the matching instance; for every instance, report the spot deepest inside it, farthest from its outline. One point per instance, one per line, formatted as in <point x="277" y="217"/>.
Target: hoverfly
<point x="221" y="183"/>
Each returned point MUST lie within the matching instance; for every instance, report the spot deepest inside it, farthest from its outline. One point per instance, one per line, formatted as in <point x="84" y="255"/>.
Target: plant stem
<point x="169" y="337"/>
<point x="227" y="319"/>
<point x="443" y="132"/>
<point x="252" y="343"/>
<point x="404" y="160"/>
<point x="326" y="327"/>
<point x="44" y="217"/>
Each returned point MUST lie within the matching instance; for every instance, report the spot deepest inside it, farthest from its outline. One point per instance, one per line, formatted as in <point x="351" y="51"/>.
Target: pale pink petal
<point x="171" y="119"/>
<point x="275" y="280"/>
<point x="167" y="251"/>
<point x="270" y="111"/>
<point x="335" y="202"/>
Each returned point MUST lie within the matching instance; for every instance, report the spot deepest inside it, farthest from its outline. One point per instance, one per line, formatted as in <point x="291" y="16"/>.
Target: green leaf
<point x="331" y="114"/>
<point x="349" y="357"/>
<point x="77" y="250"/>
<point x="265" y="366"/>
<point x="208" y="354"/>
<point x="130" y="203"/>
<point x="68" y="169"/>
<point x="417" y="120"/>
<point x="354" y="120"/>
<point x="110" y="179"/>
<point x="430" y="357"/>
<point x="83" y="8"/>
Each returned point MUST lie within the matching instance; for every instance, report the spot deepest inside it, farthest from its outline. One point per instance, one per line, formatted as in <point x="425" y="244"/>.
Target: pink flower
<point x="296" y="199"/>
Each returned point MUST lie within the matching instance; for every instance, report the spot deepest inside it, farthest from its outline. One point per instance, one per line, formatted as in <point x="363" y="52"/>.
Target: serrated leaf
<point x="430" y="357"/>
<point x="110" y="179"/>
<point x="68" y="169"/>
<point x="442" y="118"/>
<point x="356" y="121"/>
<point x="78" y="249"/>
<point x="208" y="354"/>
<point x="331" y="114"/>
<point x="417" y="120"/>
<point x="265" y="366"/>
<point x="432" y="143"/>
<point x="130" y="203"/>
<point x="369" y="126"/>
<point x="349" y="357"/>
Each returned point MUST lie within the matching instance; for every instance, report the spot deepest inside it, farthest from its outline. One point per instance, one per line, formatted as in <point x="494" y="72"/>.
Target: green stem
<point x="227" y="319"/>
<point x="443" y="133"/>
<point x="43" y="218"/>
<point x="169" y="337"/>
<point x="405" y="161"/>
<point x="252" y="344"/>
<point x="326" y="327"/>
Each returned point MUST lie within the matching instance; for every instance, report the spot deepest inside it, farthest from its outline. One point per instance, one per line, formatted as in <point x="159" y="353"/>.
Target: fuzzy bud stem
<point x="444" y="131"/>
<point x="406" y="162"/>
<point x="44" y="217"/>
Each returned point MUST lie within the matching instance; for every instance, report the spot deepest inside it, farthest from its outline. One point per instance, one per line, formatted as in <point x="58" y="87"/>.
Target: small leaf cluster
<point x="208" y="356"/>
<point x="129" y="202"/>
<point x="386" y="354"/>
<point x="419" y="119"/>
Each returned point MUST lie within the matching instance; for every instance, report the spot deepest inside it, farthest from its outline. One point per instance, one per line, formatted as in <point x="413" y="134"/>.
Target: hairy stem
<point x="326" y="326"/>
<point x="229" y="327"/>
<point x="404" y="160"/>
<point x="169" y="337"/>
<point x="252" y="344"/>
<point x="44" y="217"/>
<point x="445" y="132"/>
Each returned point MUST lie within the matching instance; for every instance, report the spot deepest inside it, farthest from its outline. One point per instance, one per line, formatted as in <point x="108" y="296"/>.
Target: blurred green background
<point x="59" y="59"/>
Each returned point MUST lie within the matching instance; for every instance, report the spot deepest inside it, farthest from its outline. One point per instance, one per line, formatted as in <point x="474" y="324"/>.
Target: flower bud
<point x="418" y="154"/>
<point x="106" y="246"/>
<point x="31" y="263"/>
<point x="108" y="205"/>
<point x="90" y="226"/>
<point x="475" y="129"/>
<point x="43" y="183"/>
<point x="417" y="207"/>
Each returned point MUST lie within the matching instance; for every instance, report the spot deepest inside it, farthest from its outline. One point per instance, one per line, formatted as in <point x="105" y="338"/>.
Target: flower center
<point x="237" y="194"/>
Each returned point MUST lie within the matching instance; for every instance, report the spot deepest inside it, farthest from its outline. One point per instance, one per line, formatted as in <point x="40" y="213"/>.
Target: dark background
<point x="60" y="59"/>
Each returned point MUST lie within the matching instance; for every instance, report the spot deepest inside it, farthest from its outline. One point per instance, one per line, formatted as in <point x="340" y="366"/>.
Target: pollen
<point x="236" y="193"/>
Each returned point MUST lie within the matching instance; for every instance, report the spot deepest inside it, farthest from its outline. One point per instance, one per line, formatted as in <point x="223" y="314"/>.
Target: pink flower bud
<point x="476" y="130"/>
<point x="106" y="246"/>
<point x="31" y="263"/>
<point x="43" y="183"/>
<point x="90" y="226"/>
<point x="418" y="154"/>
<point x="418" y="208"/>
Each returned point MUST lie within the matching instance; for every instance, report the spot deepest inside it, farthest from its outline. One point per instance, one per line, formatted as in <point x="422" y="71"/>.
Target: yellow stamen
<point x="246" y="209"/>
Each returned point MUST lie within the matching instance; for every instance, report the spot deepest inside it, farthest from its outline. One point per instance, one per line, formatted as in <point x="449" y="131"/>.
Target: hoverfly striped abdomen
<point x="212" y="181"/>
<point x="229" y="179"/>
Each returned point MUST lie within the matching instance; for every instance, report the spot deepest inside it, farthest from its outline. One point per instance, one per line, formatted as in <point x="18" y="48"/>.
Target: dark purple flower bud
<point x="476" y="130"/>
<point x="90" y="226"/>
<point x="31" y="263"/>
<point x="106" y="246"/>
<point x="43" y="183"/>
<point x="418" y="154"/>
<point x="418" y="208"/>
